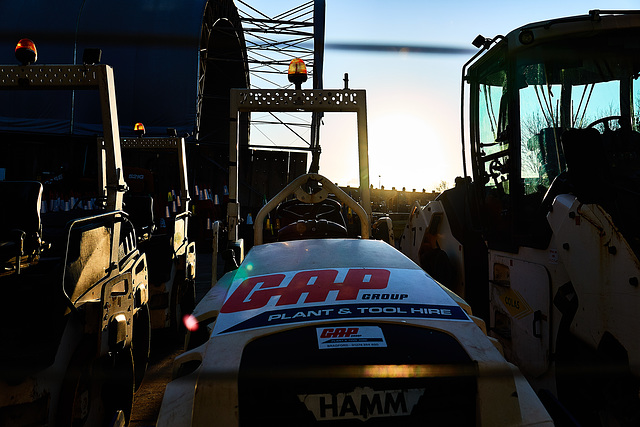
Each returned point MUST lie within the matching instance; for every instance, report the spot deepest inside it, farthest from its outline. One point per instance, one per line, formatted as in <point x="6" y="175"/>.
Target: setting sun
<point x="405" y="149"/>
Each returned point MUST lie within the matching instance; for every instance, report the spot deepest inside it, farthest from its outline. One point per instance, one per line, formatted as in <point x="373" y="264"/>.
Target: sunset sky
<point x="413" y="100"/>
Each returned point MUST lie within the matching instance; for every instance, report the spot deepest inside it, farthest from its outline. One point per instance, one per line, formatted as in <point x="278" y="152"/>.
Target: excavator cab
<point x="543" y="242"/>
<point x="532" y="101"/>
<point x="555" y="149"/>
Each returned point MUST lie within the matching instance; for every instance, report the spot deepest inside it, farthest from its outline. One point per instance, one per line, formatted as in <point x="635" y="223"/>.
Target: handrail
<point x="295" y="187"/>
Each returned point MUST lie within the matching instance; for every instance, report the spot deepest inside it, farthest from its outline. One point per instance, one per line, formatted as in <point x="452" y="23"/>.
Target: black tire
<point x="188" y="300"/>
<point x="183" y="302"/>
<point x="597" y="386"/>
<point x="141" y="343"/>
<point x="77" y="396"/>
<point x="95" y="389"/>
<point x="119" y="386"/>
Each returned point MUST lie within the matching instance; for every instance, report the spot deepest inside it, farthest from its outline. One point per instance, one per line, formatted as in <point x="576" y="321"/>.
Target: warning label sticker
<point x="350" y="337"/>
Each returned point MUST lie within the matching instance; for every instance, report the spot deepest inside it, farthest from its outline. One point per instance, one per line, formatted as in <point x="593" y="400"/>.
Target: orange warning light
<point x="26" y="52"/>
<point x="297" y="72"/>
<point x="139" y="129"/>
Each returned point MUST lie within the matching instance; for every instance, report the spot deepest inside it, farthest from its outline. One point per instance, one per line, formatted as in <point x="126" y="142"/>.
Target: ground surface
<point x="148" y="398"/>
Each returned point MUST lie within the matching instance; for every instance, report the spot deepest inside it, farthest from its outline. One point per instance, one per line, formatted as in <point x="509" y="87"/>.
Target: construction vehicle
<point x="157" y="202"/>
<point x="74" y="311"/>
<point x="544" y="241"/>
<point x="320" y="327"/>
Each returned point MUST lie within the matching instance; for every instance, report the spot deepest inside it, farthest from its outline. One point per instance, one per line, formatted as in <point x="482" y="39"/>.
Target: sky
<point x="413" y="100"/>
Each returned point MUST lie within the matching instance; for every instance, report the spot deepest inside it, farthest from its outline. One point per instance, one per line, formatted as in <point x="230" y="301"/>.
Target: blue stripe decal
<point x="350" y="311"/>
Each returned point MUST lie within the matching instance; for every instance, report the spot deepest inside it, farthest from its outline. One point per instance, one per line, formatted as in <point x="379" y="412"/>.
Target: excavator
<point x="543" y="240"/>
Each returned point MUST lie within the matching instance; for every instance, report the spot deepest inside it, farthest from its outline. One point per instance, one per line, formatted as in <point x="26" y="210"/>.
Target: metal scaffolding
<point x="272" y="42"/>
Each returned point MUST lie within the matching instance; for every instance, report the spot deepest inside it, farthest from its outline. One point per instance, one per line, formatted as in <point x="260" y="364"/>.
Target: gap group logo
<point x="350" y="337"/>
<point x="255" y="292"/>
<point x="333" y="294"/>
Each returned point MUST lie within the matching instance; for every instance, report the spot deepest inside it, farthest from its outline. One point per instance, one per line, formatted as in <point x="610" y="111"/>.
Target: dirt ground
<point x="147" y="400"/>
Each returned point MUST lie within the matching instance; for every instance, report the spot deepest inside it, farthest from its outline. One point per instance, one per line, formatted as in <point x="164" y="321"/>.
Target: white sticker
<point x="553" y="256"/>
<point x="350" y="337"/>
<point x="265" y="300"/>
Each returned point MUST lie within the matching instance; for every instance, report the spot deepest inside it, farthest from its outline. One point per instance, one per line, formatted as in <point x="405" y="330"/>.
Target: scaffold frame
<point x="309" y="100"/>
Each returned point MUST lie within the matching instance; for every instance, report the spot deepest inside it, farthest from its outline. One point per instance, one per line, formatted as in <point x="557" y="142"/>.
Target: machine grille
<point x="418" y="376"/>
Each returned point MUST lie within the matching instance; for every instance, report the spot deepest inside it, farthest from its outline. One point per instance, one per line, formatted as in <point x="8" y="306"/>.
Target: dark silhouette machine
<point x="544" y="243"/>
<point x="78" y="263"/>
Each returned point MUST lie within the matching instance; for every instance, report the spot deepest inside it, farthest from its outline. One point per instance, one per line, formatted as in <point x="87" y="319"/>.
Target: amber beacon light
<point x="26" y="52"/>
<point x="138" y="128"/>
<point x="297" y="72"/>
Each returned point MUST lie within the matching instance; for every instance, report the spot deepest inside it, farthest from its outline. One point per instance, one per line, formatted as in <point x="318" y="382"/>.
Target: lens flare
<point x="190" y="322"/>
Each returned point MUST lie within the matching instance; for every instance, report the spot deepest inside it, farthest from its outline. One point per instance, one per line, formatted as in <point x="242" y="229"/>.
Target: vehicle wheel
<point x="576" y="388"/>
<point x="188" y="300"/>
<point x="597" y="385"/>
<point x="141" y="343"/>
<point x="182" y="302"/>
<point x="619" y="387"/>
<point x="119" y="387"/>
<point x="621" y="405"/>
<point x="80" y="402"/>
<point x="95" y="389"/>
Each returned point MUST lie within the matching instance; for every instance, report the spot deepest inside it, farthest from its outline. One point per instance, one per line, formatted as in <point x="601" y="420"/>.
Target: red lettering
<point x="338" y="332"/>
<point x="327" y="333"/>
<point x="239" y="300"/>
<point x="317" y="292"/>
<point x="256" y="292"/>
<point x="351" y="331"/>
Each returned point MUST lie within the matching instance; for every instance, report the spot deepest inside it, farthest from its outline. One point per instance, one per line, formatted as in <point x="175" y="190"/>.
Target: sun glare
<point x="405" y="149"/>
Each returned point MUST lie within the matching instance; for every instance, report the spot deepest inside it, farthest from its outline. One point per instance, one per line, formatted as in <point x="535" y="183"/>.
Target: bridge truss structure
<point x="273" y="39"/>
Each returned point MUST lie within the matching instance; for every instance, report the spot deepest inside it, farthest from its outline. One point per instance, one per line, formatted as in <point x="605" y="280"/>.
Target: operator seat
<point x="322" y="220"/>
<point x="20" y="224"/>
<point x="312" y="229"/>
<point x="587" y="167"/>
